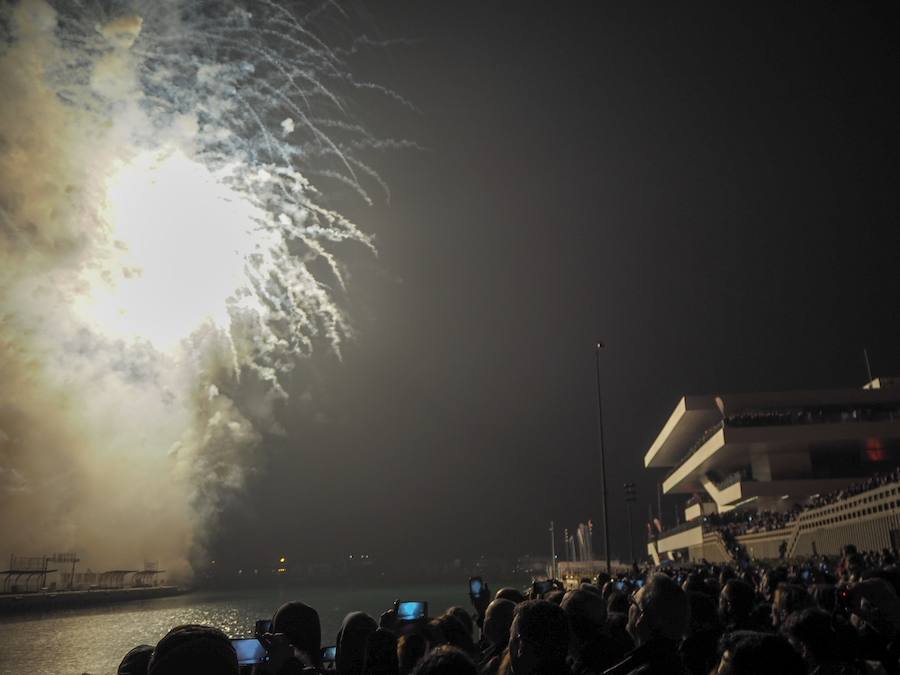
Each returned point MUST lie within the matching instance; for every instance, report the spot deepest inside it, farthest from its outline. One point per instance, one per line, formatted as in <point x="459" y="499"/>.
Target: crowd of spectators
<point x="870" y="483"/>
<point x="823" y="617"/>
<point x="746" y="521"/>
<point x="740" y="522"/>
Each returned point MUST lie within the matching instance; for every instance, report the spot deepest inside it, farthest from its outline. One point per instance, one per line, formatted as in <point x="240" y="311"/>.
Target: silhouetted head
<point x="616" y="603"/>
<point x="300" y="623"/>
<point x="136" y="661"/>
<point x="694" y="582"/>
<point x="350" y="656"/>
<point x="190" y="649"/>
<point x="538" y="638"/>
<point x="703" y="611"/>
<point x="750" y="653"/>
<point x="555" y="597"/>
<point x="411" y="649"/>
<point x="586" y="613"/>
<point x="736" y="601"/>
<point x="510" y="594"/>
<point x="811" y="634"/>
<point x="659" y="610"/>
<point x="381" y="653"/>
<point x="446" y="660"/>
<point x="590" y="588"/>
<point x="497" y="620"/>
<point x="789" y="598"/>
<point x="464" y="618"/>
<point x="455" y="634"/>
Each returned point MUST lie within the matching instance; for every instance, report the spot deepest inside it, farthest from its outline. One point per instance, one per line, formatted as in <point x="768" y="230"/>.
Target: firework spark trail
<point x="160" y="246"/>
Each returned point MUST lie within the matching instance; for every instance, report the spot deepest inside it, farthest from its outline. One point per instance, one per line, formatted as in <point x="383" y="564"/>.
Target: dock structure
<point x="778" y="474"/>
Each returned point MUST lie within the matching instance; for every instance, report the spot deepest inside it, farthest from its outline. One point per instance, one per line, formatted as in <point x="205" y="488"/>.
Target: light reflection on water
<point x="94" y="641"/>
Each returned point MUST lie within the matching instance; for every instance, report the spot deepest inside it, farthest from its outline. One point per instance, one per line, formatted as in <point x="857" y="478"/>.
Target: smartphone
<point x="249" y="651"/>
<point x="329" y="653"/>
<point x="805" y="575"/>
<point x="476" y="586"/>
<point x="541" y="587"/>
<point x="620" y="585"/>
<point x="412" y="610"/>
<point x="639" y="583"/>
<point x="262" y="626"/>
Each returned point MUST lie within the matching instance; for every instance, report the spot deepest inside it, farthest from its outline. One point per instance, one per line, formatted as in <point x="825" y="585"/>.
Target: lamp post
<point x="602" y="464"/>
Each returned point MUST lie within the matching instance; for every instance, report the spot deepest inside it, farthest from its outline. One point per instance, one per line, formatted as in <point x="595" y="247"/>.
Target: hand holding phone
<point x="479" y="594"/>
<point x="412" y="610"/>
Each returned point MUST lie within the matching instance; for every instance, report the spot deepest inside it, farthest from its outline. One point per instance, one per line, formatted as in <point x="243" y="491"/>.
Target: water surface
<point x="94" y="640"/>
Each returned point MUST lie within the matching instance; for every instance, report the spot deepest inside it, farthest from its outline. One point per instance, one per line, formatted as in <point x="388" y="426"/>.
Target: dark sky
<point x="710" y="190"/>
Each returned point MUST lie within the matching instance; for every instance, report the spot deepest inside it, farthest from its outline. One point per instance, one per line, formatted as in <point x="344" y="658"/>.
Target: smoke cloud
<point x="164" y="261"/>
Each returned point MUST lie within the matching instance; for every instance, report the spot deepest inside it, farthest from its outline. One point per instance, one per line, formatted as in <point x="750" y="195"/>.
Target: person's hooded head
<point x="135" y="662"/>
<point x="191" y="649"/>
<point x="300" y="623"/>
<point x="350" y="656"/>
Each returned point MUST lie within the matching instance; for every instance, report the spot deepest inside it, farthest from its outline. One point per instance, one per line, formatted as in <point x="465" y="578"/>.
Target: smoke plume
<point x="165" y="259"/>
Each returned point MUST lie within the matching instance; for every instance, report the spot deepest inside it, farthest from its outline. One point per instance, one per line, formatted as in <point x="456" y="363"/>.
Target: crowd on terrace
<point x="750" y="522"/>
<point x="823" y="616"/>
<point x="747" y="521"/>
<point x="870" y="483"/>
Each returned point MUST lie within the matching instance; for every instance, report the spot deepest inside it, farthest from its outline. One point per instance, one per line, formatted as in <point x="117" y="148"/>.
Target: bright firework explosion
<point x="165" y="258"/>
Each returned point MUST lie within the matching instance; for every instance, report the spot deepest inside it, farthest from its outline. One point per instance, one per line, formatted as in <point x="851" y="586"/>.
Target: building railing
<point x="801" y="415"/>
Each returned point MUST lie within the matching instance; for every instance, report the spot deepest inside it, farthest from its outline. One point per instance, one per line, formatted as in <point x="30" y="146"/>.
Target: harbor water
<point x="94" y="640"/>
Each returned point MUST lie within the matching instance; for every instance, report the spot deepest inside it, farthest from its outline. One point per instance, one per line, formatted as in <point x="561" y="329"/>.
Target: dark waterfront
<point x="94" y="641"/>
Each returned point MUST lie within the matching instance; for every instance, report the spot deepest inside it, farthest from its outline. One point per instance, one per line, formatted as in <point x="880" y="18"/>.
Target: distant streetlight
<point x="602" y="463"/>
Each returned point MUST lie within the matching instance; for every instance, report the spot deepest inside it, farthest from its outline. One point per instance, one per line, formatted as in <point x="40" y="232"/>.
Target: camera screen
<point x="328" y="653"/>
<point x="620" y="585"/>
<point x="249" y="651"/>
<point x="412" y="610"/>
<point x="541" y="587"/>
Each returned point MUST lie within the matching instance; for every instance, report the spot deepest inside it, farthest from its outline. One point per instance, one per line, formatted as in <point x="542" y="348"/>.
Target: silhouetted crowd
<point x="856" y="488"/>
<point x="750" y="522"/>
<point x="822" y="617"/>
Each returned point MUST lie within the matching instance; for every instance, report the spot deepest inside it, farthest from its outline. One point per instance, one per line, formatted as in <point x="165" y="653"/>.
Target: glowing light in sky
<point x="180" y="243"/>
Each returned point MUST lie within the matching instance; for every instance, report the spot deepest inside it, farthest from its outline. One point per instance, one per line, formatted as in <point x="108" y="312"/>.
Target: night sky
<point x="710" y="190"/>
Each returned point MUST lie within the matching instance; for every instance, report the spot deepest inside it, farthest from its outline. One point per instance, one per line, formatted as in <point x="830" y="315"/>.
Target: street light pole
<point x="602" y="464"/>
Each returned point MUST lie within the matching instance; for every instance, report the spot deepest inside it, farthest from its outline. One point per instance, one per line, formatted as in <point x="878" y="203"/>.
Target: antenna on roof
<point x="868" y="367"/>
